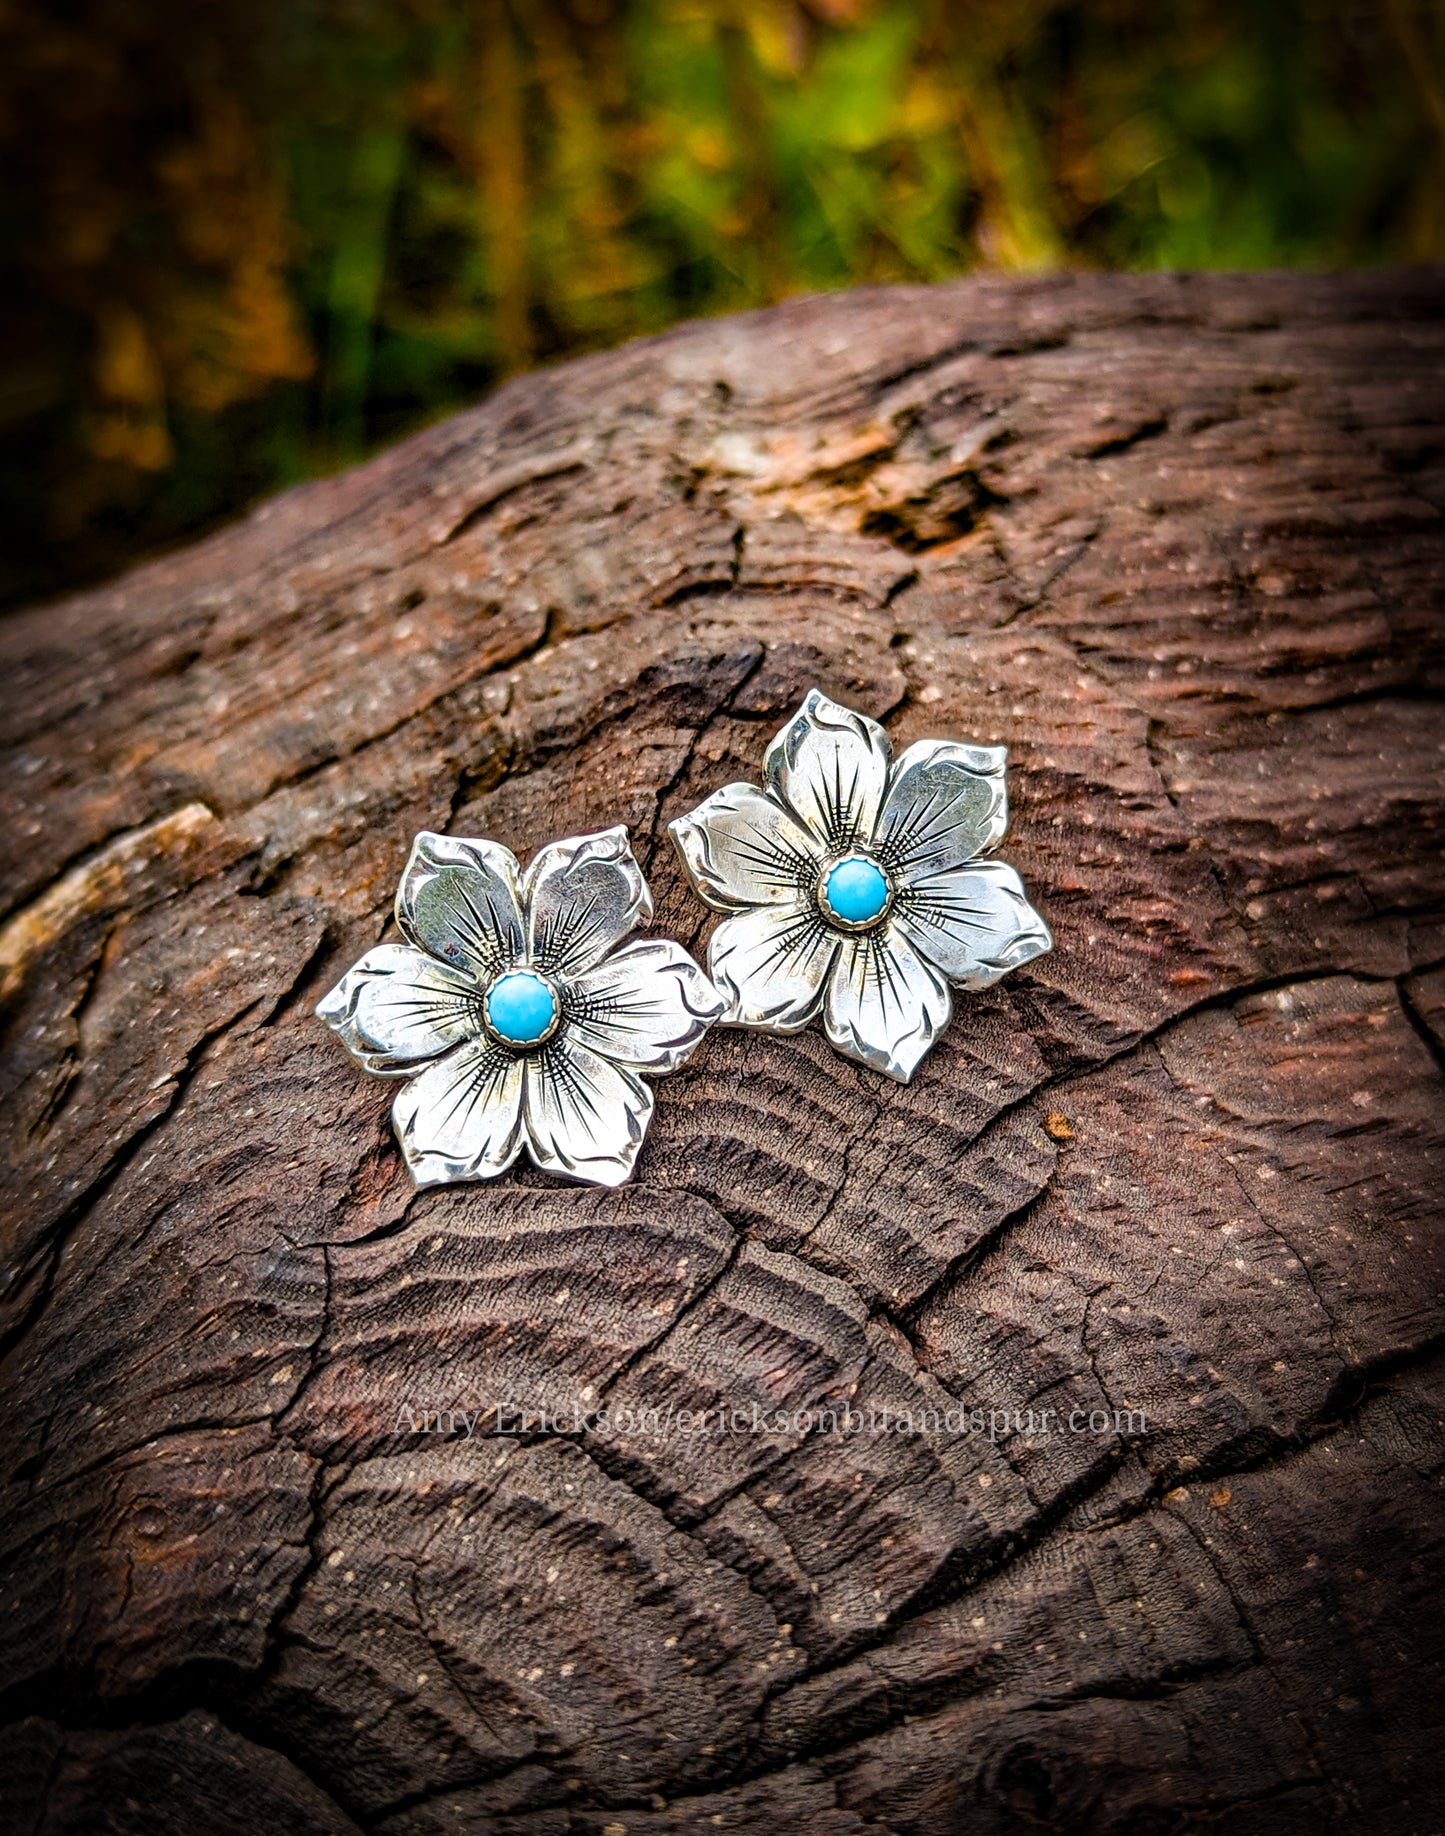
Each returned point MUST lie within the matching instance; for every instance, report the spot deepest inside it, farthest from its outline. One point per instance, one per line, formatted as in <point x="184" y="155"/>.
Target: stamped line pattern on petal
<point x="398" y="1006"/>
<point x="830" y="767"/>
<point x="647" y="1005"/>
<point x="974" y="923"/>
<point x="461" y="1118"/>
<point x="770" y="964"/>
<point x="885" y="1005"/>
<point x="585" y="1117"/>
<point x="741" y="848"/>
<point x="582" y="897"/>
<point x="946" y="803"/>
<point x="458" y="900"/>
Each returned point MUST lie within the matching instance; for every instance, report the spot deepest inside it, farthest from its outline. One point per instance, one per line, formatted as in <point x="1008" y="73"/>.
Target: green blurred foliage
<point x="239" y="246"/>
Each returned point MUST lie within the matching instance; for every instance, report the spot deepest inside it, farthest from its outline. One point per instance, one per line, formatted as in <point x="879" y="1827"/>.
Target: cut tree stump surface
<point x="1178" y="543"/>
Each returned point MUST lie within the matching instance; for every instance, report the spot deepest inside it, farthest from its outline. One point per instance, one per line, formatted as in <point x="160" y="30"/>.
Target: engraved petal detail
<point x="946" y="802"/>
<point x="458" y="900"/>
<point x="582" y="897"/>
<point x="742" y="848"/>
<point x="647" y="1005"/>
<point x="585" y="1116"/>
<point x="462" y="1117"/>
<point x="770" y="965"/>
<point x="398" y="1006"/>
<point x="830" y="767"/>
<point x="974" y="923"/>
<point x="885" y="1004"/>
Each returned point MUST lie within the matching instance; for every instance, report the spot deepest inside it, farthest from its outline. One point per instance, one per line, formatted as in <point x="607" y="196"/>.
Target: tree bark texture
<point x="1177" y="542"/>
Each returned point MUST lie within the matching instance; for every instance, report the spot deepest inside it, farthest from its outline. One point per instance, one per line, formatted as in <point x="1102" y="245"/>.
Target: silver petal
<point x="458" y="900"/>
<point x="647" y="1005"/>
<point x="742" y="848"/>
<point x="946" y="802"/>
<point x="885" y="1004"/>
<point x="399" y="1005"/>
<point x="585" y="1117"/>
<point x="973" y="923"/>
<point x="770" y="964"/>
<point x="830" y="766"/>
<point x="582" y="897"/>
<point x="461" y="1118"/>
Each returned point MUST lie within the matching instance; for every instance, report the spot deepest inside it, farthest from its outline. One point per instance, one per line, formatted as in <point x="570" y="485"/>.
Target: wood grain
<point x="1178" y="543"/>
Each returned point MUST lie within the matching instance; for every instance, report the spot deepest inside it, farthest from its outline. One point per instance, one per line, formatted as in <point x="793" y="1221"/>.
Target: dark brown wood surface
<point x="1178" y="543"/>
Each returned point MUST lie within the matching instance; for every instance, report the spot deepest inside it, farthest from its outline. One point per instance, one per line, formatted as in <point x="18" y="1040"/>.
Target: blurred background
<point x="245" y="244"/>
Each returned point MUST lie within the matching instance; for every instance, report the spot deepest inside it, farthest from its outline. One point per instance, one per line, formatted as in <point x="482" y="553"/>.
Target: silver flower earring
<point x="853" y="886"/>
<point x="517" y="1012"/>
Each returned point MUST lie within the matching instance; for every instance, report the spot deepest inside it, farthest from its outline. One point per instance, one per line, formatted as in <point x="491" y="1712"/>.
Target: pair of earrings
<point x="521" y="1015"/>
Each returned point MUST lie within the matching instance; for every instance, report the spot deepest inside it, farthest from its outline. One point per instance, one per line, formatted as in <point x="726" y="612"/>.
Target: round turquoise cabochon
<point x="521" y="1008"/>
<point x="856" y="891"/>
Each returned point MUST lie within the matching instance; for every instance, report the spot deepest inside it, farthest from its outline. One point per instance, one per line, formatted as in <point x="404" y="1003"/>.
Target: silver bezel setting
<point x="835" y="920"/>
<point x="529" y="1045"/>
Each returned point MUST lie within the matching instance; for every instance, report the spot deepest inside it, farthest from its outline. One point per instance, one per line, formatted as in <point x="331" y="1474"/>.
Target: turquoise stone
<point x="521" y="1008"/>
<point x="856" y="891"/>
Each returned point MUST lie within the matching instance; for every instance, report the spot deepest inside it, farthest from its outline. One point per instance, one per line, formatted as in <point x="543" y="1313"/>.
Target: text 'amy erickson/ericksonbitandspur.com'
<point x="666" y="1421"/>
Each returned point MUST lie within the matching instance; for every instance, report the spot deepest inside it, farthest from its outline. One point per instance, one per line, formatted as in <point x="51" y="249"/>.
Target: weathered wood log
<point x="1178" y="543"/>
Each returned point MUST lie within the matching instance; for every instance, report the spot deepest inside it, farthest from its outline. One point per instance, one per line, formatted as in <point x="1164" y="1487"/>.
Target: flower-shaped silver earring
<point x="853" y="886"/>
<point x="516" y="1011"/>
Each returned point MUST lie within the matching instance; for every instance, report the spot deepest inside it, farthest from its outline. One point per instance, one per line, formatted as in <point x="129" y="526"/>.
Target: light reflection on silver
<point x="832" y="787"/>
<point x="416" y="1009"/>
